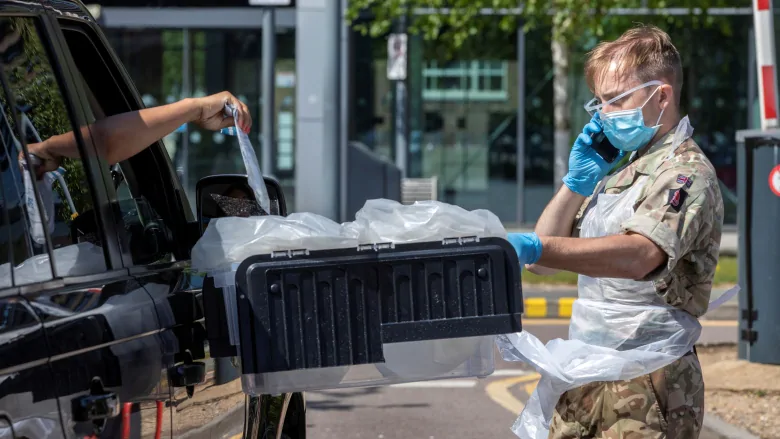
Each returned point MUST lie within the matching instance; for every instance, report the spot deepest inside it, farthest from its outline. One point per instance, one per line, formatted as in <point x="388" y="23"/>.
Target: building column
<point x="317" y="156"/>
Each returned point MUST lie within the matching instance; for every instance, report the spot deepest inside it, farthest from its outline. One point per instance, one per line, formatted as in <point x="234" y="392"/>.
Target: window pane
<point x="496" y="83"/>
<point x="141" y="202"/>
<point x="65" y="195"/>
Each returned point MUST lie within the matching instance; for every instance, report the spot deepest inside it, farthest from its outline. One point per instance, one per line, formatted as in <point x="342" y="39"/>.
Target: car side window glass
<point x="64" y="205"/>
<point x="138" y="195"/>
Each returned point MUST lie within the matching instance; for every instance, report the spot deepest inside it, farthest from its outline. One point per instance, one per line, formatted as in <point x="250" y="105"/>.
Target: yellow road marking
<point x="530" y="387"/>
<point x="499" y="392"/>
<point x="564" y="306"/>
<point x="544" y="322"/>
<point x="721" y="323"/>
<point x="535" y="307"/>
<point x="237" y="436"/>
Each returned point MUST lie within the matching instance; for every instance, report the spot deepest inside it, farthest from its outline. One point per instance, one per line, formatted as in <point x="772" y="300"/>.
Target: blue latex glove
<point x="586" y="167"/>
<point x="527" y="245"/>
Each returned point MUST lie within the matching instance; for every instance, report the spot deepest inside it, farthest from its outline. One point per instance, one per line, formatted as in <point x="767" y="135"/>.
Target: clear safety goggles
<point x="595" y="105"/>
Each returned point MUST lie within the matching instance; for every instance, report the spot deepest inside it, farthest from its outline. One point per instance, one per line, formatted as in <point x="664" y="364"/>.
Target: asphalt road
<point x="462" y="408"/>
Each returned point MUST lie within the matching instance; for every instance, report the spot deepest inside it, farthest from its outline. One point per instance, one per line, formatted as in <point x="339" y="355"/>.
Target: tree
<point x="575" y="24"/>
<point x="35" y="87"/>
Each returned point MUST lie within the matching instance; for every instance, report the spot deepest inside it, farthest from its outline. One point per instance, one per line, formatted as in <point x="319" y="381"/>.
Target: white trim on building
<point x="466" y="80"/>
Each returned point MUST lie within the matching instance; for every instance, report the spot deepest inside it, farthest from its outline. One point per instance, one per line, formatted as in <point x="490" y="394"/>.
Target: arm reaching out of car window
<point x="124" y="135"/>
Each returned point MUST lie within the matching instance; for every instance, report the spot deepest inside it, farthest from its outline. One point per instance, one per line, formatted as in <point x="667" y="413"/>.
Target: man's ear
<point x="665" y="96"/>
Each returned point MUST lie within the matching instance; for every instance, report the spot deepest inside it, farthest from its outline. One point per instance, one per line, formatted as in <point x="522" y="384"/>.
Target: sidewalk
<point x="742" y="398"/>
<point x="729" y="240"/>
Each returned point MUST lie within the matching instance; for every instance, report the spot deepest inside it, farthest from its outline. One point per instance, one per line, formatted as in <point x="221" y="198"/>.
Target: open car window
<point x="40" y="214"/>
<point x="142" y="209"/>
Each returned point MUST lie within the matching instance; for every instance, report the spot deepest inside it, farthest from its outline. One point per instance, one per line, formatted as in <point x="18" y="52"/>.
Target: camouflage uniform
<point x="681" y="210"/>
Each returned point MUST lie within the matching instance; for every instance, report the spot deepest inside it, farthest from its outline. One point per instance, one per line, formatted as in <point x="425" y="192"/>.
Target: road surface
<point x="463" y="408"/>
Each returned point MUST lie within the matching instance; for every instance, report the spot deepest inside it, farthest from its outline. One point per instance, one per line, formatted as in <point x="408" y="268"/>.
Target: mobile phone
<point x="603" y="147"/>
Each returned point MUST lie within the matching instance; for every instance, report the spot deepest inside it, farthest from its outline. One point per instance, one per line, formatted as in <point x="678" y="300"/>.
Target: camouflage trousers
<point x="667" y="404"/>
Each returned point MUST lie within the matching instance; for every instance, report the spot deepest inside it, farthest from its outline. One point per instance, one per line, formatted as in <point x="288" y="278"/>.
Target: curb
<point x="543" y="307"/>
<point x="724" y="429"/>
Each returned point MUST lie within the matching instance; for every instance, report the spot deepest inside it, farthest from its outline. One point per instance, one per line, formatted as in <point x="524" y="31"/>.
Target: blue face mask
<point x="626" y="129"/>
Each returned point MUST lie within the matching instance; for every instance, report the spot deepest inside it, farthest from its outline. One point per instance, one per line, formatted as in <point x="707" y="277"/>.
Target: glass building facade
<point x="463" y="109"/>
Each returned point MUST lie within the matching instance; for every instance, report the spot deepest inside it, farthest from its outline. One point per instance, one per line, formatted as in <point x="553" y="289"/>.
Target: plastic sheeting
<point x="73" y="260"/>
<point x="37" y="218"/>
<point x="254" y="175"/>
<point x="228" y="241"/>
<point x="231" y="240"/>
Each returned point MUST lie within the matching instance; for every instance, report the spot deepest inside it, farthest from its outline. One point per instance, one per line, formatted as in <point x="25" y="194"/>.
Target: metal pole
<point x="268" y="89"/>
<point x="345" y="114"/>
<point x="763" y="21"/>
<point x="401" y="118"/>
<point x="186" y="91"/>
<point x="751" y="91"/>
<point x="520" y="124"/>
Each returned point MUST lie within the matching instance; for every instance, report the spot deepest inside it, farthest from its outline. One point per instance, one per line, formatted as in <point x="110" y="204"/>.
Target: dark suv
<point x="101" y="332"/>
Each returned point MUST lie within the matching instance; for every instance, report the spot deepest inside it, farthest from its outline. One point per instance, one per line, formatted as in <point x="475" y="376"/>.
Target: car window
<point x="35" y="112"/>
<point x="137" y="184"/>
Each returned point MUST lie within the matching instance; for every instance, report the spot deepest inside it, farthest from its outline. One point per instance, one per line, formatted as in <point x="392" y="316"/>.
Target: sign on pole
<point x="396" y="57"/>
<point x="774" y="180"/>
<point x="763" y="20"/>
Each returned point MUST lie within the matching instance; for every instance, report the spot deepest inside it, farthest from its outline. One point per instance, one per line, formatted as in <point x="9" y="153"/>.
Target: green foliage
<point x="725" y="275"/>
<point x="35" y="86"/>
<point x="576" y="22"/>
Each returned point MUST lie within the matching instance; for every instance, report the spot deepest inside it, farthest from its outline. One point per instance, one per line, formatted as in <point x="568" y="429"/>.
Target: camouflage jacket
<point x="680" y="209"/>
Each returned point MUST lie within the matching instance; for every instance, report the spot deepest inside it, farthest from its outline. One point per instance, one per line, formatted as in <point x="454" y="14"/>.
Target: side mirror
<point x="220" y="196"/>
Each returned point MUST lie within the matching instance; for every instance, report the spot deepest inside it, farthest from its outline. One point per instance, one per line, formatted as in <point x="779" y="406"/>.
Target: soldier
<point x="646" y="234"/>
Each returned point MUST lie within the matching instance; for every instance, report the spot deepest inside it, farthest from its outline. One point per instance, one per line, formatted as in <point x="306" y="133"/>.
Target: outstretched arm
<point x="124" y="135"/>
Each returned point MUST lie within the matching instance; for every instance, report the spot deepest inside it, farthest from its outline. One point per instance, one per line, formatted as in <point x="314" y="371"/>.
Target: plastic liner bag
<point x="385" y="220"/>
<point x="639" y="340"/>
<point x="228" y="241"/>
<point x="73" y="260"/>
<point x="254" y="175"/>
<point x="231" y="240"/>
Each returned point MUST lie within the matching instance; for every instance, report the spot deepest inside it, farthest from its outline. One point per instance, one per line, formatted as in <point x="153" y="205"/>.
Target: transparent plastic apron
<point x="620" y="329"/>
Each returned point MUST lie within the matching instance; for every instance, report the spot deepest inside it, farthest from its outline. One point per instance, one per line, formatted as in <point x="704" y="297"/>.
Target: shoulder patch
<point x="685" y="180"/>
<point x="677" y="198"/>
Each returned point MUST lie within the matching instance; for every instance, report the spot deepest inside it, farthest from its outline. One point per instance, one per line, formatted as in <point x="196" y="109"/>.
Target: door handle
<point x="98" y="405"/>
<point x="187" y="374"/>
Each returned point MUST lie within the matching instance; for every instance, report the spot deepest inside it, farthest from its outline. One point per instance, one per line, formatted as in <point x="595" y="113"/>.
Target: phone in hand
<point x="603" y="147"/>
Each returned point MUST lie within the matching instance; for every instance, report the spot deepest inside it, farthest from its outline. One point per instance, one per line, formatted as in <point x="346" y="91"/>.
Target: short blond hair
<point x="645" y="50"/>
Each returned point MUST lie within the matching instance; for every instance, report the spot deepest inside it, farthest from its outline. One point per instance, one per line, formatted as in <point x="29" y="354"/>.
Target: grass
<point x="725" y="274"/>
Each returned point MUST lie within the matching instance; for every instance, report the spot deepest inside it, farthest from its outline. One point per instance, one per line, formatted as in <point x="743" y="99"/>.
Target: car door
<point x="204" y="402"/>
<point x="99" y="325"/>
<point x="207" y="398"/>
<point x="28" y="397"/>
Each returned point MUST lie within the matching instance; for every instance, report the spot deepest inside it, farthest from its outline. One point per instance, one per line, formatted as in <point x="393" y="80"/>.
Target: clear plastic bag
<point x="73" y="260"/>
<point x="231" y="240"/>
<point x="228" y="241"/>
<point x="38" y="219"/>
<point x="254" y="175"/>
<point x="385" y="220"/>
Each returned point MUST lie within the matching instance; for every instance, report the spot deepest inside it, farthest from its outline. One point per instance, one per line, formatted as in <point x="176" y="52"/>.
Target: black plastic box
<point x="302" y="310"/>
